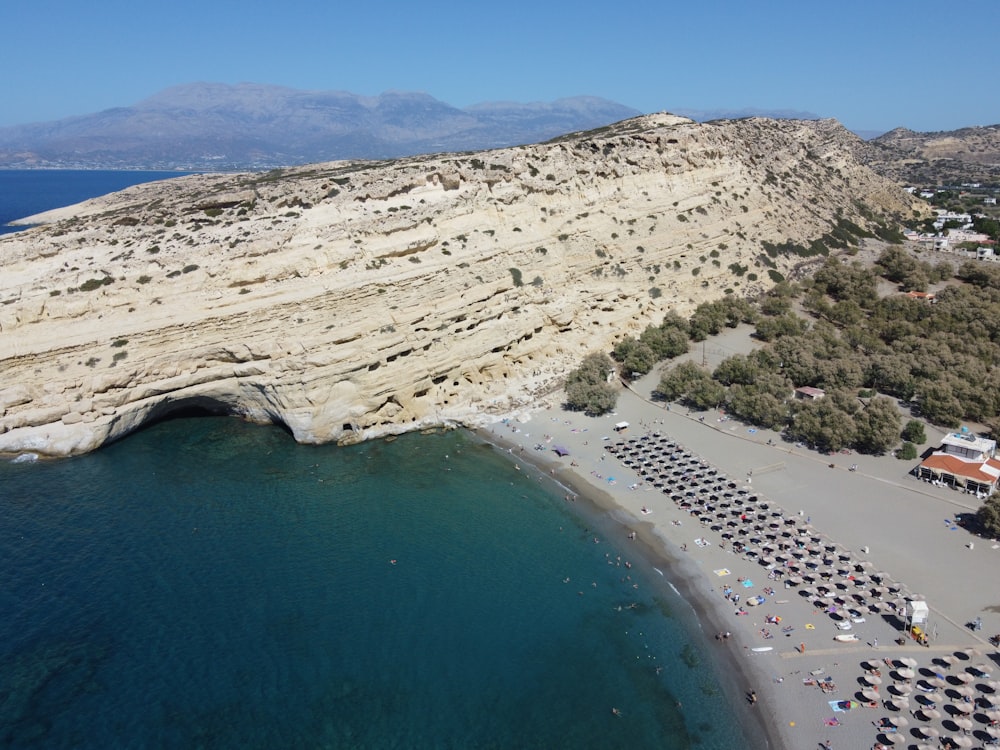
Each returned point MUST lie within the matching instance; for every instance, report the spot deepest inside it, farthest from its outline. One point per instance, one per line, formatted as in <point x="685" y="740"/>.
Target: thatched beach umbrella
<point x="928" y="732"/>
<point x="964" y="677"/>
<point x="965" y="724"/>
<point x="905" y="673"/>
<point x="962" y="708"/>
<point x="908" y="661"/>
<point x="899" y="721"/>
<point x="870" y="694"/>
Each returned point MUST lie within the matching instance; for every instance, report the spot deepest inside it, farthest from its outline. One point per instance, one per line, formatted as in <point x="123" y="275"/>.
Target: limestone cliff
<point x="348" y="300"/>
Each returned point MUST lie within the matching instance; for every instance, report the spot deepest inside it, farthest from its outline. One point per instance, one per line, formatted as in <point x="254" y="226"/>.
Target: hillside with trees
<point x="865" y="350"/>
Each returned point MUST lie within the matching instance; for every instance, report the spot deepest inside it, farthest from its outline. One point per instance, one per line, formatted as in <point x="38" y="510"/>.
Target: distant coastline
<point x="25" y="193"/>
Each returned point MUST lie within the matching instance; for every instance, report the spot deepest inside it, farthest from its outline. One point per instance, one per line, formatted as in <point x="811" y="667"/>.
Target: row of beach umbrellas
<point x="844" y="587"/>
<point x="969" y="712"/>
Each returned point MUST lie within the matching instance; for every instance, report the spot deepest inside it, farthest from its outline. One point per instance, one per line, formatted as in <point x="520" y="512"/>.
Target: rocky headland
<point x="348" y="300"/>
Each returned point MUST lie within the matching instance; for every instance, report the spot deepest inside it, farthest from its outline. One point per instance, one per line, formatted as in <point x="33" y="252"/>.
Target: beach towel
<point x="833" y="721"/>
<point x="721" y="572"/>
<point x="747" y="583"/>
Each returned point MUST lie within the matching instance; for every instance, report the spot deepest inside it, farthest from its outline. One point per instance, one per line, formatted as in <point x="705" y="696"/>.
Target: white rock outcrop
<point x="348" y="300"/>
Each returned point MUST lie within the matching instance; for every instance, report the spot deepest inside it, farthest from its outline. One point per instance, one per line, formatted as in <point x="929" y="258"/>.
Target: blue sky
<point x="872" y="64"/>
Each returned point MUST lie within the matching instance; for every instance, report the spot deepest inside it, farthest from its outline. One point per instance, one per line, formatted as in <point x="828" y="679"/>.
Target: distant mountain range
<point x="214" y="126"/>
<point x="249" y="126"/>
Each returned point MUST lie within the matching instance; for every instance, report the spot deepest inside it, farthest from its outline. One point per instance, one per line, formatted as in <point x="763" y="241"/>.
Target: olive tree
<point x="587" y="387"/>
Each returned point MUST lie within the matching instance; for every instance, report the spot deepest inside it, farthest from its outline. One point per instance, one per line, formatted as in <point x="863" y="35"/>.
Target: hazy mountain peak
<point x="215" y="126"/>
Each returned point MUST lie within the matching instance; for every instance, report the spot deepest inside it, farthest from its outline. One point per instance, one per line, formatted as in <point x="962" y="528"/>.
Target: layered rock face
<point x="350" y="300"/>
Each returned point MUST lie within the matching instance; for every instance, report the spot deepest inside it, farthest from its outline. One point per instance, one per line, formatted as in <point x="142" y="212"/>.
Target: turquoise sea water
<point x="207" y="583"/>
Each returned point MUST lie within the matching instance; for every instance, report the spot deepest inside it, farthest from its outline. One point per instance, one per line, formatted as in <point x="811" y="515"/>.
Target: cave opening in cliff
<point x="197" y="407"/>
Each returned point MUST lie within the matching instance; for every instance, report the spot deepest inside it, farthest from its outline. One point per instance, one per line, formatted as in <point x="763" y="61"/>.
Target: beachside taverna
<point x="964" y="462"/>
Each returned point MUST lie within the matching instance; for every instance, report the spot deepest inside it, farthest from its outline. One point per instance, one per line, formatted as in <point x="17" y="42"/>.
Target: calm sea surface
<point x="206" y="583"/>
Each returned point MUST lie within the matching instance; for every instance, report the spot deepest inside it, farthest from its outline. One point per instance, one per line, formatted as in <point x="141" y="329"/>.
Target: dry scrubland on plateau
<point x="352" y="299"/>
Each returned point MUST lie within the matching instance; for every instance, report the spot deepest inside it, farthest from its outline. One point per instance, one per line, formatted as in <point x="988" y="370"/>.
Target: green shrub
<point x="914" y="432"/>
<point x="907" y="452"/>
<point x="91" y="284"/>
<point x="516" y="276"/>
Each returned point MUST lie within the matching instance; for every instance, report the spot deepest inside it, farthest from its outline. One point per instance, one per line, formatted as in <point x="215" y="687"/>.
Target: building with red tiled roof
<point x="965" y="462"/>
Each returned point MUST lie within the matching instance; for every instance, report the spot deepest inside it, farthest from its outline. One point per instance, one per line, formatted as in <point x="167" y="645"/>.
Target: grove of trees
<point x="587" y="387"/>
<point x="863" y="348"/>
<point x="940" y="358"/>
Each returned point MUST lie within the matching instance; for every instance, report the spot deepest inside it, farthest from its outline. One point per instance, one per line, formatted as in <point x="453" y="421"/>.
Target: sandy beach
<point x="809" y="687"/>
